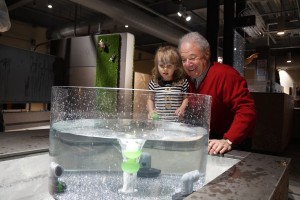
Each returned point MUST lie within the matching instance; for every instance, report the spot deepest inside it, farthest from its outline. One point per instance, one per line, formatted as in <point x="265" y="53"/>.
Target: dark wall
<point x="25" y="76"/>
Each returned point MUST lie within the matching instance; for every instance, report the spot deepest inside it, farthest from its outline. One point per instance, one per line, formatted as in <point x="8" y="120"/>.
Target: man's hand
<point x="218" y="146"/>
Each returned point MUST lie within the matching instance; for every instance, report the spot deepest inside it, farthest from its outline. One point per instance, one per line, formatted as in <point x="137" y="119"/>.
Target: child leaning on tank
<point x="168" y="85"/>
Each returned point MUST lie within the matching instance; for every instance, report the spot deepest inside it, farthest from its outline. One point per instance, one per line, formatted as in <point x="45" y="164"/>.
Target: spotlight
<point x="289" y="57"/>
<point x="182" y="13"/>
<point x="281" y="25"/>
<point x="126" y="26"/>
<point x="50" y="4"/>
<point x="280" y="33"/>
<point x="188" y="18"/>
<point x="181" y="10"/>
<point x="179" y="13"/>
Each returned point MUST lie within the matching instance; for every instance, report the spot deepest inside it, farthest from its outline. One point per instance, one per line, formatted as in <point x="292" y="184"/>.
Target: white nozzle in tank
<point x="131" y="144"/>
<point x="187" y="182"/>
<point x="55" y="171"/>
<point x="129" y="183"/>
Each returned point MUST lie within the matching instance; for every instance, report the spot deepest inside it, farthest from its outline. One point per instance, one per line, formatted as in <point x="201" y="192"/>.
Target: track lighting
<point x="181" y="10"/>
<point x="182" y="13"/>
<point x="289" y="57"/>
<point x="188" y="18"/>
<point x="280" y="22"/>
<point x="280" y="25"/>
<point x="280" y="33"/>
<point x="179" y="13"/>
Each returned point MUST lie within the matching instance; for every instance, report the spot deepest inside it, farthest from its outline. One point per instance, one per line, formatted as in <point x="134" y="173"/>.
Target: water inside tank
<point x="103" y="146"/>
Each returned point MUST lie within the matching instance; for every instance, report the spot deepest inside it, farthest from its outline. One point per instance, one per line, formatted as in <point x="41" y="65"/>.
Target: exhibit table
<point x="236" y="175"/>
<point x="256" y="177"/>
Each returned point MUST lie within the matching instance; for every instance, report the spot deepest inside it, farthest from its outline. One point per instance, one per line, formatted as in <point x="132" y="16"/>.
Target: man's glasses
<point x="191" y="59"/>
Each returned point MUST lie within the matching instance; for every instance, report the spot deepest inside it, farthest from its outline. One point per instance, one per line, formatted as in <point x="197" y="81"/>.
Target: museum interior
<point x="47" y="45"/>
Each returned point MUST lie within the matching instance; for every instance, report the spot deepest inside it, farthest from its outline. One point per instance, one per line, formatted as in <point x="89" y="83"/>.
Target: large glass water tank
<point x="104" y="146"/>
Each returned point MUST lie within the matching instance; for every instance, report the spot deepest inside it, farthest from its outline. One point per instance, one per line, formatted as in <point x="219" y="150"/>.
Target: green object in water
<point x="130" y="166"/>
<point x="154" y="116"/>
<point x="132" y="154"/>
<point x="61" y="186"/>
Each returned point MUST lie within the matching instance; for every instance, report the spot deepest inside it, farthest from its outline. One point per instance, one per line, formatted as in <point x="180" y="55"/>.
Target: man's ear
<point x="207" y="54"/>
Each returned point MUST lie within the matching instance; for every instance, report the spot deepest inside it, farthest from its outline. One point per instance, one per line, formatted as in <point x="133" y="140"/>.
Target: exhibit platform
<point x="238" y="175"/>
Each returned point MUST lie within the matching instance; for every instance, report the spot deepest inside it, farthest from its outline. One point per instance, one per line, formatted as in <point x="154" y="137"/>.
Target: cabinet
<point x="274" y="121"/>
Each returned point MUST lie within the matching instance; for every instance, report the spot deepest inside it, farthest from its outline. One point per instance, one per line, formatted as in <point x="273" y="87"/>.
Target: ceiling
<point x="155" y="22"/>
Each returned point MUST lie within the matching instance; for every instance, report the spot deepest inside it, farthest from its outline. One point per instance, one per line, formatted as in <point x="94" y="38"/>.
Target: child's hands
<point x="180" y="112"/>
<point x="152" y="115"/>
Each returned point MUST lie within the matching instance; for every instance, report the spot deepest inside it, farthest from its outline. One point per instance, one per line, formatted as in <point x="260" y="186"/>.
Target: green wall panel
<point x="108" y="69"/>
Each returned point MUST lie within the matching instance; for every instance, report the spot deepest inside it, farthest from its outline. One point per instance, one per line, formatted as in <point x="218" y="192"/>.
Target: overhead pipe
<point x="126" y="14"/>
<point x="81" y="28"/>
<point x="262" y="25"/>
<point x="159" y="15"/>
<point x="18" y="4"/>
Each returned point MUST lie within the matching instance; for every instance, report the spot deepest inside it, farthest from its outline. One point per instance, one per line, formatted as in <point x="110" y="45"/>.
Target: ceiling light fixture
<point x="179" y="13"/>
<point x="289" y="57"/>
<point x="181" y="10"/>
<point x="126" y="26"/>
<point x="280" y="33"/>
<point x="50" y="4"/>
<point x="182" y="13"/>
<point x="280" y="25"/>
<point x="280" y="22"/>
<point x="188" y="18"/>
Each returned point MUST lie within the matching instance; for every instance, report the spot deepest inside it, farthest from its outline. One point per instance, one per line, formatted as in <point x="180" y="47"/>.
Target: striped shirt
<point x="168" y="98"/>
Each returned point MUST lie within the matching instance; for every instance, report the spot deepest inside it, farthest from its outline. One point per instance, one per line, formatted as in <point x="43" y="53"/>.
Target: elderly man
<point x="233" y="113"/>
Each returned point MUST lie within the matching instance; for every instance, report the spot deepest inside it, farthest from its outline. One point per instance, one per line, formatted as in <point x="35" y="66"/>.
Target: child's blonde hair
<point x="168" y="55"/>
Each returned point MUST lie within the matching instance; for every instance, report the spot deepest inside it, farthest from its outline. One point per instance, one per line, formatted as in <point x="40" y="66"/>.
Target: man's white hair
<point x="196" y="38"/>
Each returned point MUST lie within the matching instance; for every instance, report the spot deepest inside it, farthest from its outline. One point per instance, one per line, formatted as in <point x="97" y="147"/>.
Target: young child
<point x="168" y="84"/>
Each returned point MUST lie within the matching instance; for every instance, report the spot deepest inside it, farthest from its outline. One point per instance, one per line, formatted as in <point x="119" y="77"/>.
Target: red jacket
<point x="233" y="113"/>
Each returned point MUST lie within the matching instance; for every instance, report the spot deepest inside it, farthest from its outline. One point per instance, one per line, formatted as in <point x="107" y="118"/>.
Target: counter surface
<point x="244" y="176"/>
<point x="256" y="176"/>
